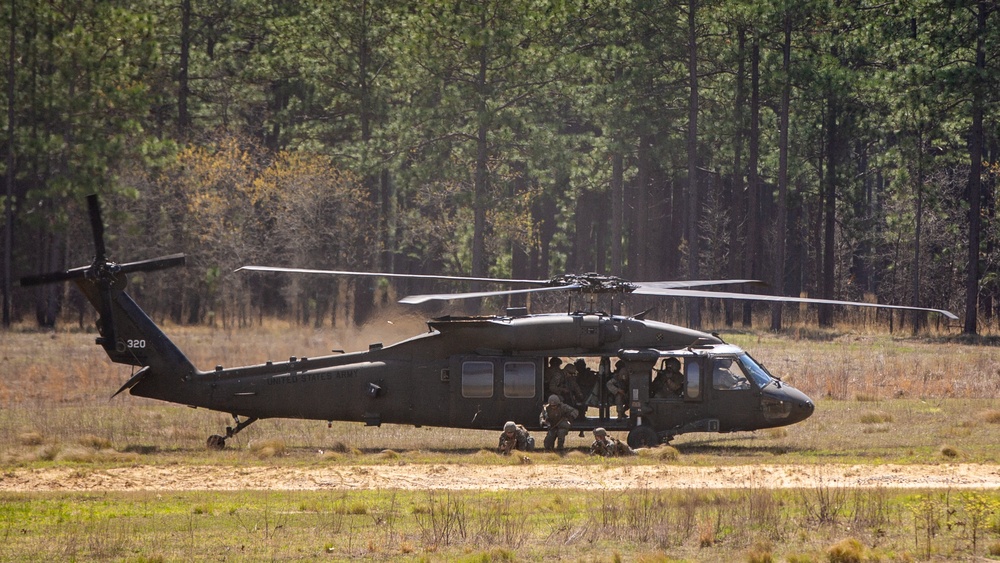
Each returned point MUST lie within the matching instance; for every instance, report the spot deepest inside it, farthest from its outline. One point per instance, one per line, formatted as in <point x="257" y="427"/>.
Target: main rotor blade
<point x="414" y="299"/>
<point x="97" y="226"/>
<point x="53" y="277"/>
<point x="385" y="275"/>
<point x="684" y="283"/>
<point x="153" y="264"/>
<point x="783" y="299"/>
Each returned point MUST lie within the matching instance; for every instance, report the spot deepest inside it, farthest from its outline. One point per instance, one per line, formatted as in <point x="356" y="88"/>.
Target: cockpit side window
<point x="728" y="375"/>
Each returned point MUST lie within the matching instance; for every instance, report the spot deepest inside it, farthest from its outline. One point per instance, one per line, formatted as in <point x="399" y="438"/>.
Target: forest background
<point x="836" y="148"/>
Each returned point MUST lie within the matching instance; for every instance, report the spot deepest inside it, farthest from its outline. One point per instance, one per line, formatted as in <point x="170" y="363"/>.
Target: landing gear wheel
<point x="216" y="442"/>
<point x="643" y="437"/>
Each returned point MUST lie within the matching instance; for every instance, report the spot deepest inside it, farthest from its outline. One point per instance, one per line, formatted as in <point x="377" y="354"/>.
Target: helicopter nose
<point x="804" y="408"/>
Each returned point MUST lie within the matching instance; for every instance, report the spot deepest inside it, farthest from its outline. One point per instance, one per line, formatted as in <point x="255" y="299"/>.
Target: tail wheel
<point x="643" y="436"/>
<point x="216" y="442"/>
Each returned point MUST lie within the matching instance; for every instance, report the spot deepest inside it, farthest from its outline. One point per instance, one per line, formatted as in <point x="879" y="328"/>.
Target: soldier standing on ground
<point x="557" y="417"/>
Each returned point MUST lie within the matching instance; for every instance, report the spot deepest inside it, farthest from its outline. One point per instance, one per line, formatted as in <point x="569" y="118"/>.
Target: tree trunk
<point x="975" y="175"/>
<point x="8" y="235"/>
<point x="481" y="197"/>
<point x="737" y="212"/>
<point x="183" y="89"/>
<point x="918" y="319"/>
<point x="694" y="305"/>
<point x="778" y="281"/>
<point x="753" y="236"/>
<point x="641" y="250"/>
<point x="829" y="210"/>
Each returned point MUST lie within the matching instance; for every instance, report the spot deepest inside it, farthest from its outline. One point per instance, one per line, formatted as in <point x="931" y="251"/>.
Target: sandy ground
<point x="482" y="477"/>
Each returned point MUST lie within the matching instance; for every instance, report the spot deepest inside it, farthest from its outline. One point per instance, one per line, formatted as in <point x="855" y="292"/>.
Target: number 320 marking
<point x="136" y="343"/>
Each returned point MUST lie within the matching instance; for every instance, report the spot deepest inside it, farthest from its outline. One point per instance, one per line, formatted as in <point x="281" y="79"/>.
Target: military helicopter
<point x="467" y="371"/>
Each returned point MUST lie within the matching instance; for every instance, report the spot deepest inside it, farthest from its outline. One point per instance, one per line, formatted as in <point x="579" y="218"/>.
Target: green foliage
<point x="497" y="137"/>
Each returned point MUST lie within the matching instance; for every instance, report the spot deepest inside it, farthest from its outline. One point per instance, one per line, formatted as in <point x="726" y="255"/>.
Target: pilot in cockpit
<point x="725" y="376"/>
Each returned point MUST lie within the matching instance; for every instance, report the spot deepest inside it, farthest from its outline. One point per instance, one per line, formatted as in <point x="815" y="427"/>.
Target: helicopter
<point x="474" y="372"/>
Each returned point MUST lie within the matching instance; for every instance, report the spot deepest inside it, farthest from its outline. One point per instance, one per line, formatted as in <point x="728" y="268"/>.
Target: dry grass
<point x="879" y="399"/>
<point x="56" y="388"/>
<point x="991" y="416"/>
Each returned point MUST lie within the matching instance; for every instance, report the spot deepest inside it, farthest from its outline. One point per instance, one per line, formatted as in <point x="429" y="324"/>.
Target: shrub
<point x="96" y="442"/>
<point x="849" y="550"/>
<point x="340" y="448"/>
<point x="876" y="418"/>
<point x="30" y="439"/>
<point x="76" y="453"/>
<point x="761" y="553"/>
<point x="268" y="448"/>
<point x="662" y="453"/>
<point x="48" y="452"/>
<point x="991" y="416"/>
<point x="948" y="451"/>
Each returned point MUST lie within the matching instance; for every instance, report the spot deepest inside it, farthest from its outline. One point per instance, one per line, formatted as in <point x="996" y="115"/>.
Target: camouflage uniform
<point x="618" y="386"/>
<point x="556" y="416"/>
<point x="669" y="382"/>
<point x="588" y="382"/>
<point x="573" y="390"/>
<point x="514" y="437"/>
<point x="606" y="446"/>
<point x="555" y="378"/>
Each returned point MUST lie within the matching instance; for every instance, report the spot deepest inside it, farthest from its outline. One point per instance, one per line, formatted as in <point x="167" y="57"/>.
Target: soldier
<point x="724" y="378"/>
<point x="557" y="417"/>
<point x="573" y="391"/>
<point x="618" y="386"/>
<point x="669" y="382"/>
<point x="555" y="377"/>
<point x="587" y="380"/>
<point x="515" y="437"/>
<point x="606" y="446"/>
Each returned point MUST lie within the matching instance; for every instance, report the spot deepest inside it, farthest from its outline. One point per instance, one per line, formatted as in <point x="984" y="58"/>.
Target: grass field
<point x="879" y="399"/>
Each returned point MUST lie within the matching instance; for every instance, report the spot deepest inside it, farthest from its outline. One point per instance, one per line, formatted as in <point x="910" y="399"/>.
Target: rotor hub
<point x="594" y="283"/>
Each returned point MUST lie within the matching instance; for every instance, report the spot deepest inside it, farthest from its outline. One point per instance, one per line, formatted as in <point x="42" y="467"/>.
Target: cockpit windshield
<point x="760" y="375"/>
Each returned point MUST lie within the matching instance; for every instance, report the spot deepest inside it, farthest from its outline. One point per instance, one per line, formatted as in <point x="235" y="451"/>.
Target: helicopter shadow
<point x="733" y="447"/>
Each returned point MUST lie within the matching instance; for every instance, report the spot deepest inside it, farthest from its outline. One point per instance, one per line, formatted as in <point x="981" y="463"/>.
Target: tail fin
<point x="128" y="335"/>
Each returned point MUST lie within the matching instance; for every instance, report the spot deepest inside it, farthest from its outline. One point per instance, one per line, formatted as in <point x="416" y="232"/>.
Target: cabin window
<point x="477" y="380"/>
<point x="519" y="380"/>
<point x="693" y="377"/>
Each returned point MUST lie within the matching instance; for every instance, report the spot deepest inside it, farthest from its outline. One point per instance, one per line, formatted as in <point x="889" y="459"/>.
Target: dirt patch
<point x="482" y="477"/>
